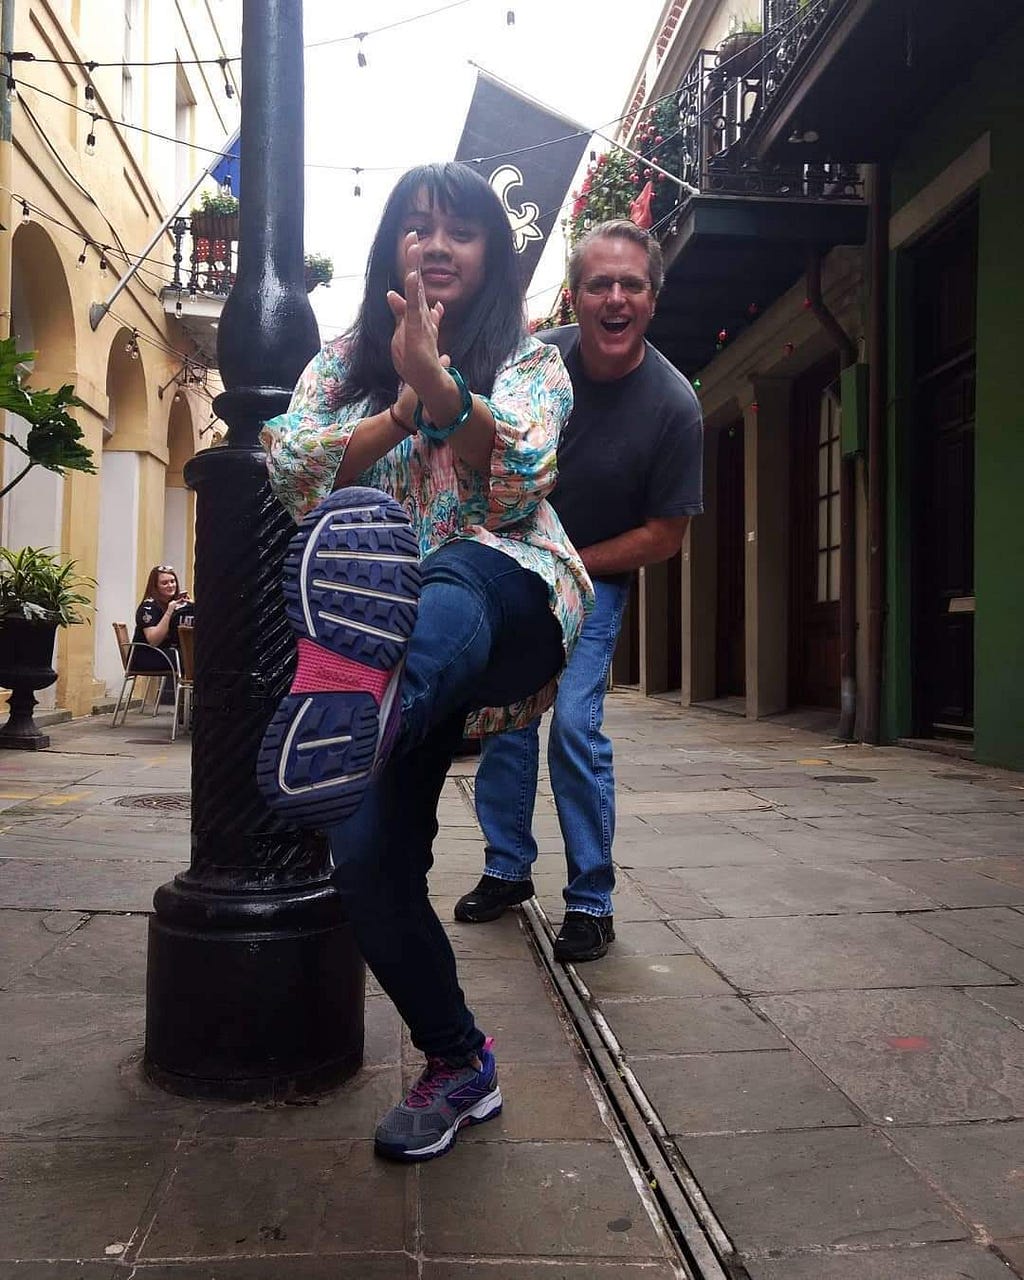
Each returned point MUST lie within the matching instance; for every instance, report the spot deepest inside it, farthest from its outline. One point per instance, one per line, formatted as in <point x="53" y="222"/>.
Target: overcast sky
<point x="408" y="104"/>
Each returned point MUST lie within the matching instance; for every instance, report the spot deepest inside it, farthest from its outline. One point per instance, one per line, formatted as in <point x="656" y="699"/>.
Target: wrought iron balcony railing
<point x="789" y="26"/>
<point x="211" y="263"/>
<point x="720" y="98"/>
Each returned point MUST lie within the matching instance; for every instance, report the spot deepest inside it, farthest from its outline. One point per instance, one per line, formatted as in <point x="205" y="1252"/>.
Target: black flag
<point x="500" y="139"/>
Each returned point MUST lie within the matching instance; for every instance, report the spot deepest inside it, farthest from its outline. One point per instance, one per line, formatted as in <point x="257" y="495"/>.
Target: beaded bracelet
<point x="409" y="431"/>
<point x="433" y="432"/>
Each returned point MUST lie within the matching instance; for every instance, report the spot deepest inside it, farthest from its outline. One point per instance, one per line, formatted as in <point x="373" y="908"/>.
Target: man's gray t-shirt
<point x="632" y="449"/>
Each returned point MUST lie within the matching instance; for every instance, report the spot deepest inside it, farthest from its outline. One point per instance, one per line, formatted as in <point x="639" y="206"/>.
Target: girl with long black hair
<point x="432" y="591"/>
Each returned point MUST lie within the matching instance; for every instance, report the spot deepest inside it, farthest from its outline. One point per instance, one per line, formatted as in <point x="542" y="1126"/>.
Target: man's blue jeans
<point x="484" y="636"/>
<point x="580" y="764"/>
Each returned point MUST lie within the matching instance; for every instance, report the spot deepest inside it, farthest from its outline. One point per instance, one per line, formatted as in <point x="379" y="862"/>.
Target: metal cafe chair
<point x="167" y="669"/>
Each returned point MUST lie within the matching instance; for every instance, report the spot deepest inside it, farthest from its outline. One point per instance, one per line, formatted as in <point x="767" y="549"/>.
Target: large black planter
<point x="26" y="664"/>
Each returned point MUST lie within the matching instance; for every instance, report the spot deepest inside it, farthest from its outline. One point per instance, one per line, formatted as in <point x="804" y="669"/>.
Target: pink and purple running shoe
<point x="351" y="583"/>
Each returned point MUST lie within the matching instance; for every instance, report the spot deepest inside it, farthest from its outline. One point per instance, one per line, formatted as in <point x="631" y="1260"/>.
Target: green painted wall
<point x="990" y="101"/>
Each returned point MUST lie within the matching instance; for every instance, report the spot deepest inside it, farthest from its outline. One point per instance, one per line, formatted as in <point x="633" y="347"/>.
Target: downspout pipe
<point x="878" y="404"/>
<point x="847" y="516"/>
<point x="6" y="168"/>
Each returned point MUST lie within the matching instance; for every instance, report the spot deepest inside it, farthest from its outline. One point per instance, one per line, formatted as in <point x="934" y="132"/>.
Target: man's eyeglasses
<point x="601" y="286"/>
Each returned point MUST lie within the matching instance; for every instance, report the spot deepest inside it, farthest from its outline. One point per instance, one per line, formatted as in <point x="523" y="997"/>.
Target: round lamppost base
<point x="252" y="997"/>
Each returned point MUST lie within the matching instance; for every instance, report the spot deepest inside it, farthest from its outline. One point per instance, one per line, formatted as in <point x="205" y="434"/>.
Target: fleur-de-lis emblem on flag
<point x="523" y="217"/>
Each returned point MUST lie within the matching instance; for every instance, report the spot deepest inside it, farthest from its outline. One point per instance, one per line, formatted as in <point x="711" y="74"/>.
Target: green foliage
<point x="319" y="269"/>
<point x="219" y="205"/>
<point x="34" y="585"/>
<point x="54" y="439"/>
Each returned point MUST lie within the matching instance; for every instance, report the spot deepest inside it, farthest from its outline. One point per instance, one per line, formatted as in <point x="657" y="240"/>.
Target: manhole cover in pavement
<point x="161" y="800"/>
<point x="849" y="777"/>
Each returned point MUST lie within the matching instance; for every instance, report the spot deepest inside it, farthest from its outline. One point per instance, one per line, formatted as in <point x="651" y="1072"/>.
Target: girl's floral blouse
<point x="444" y="498"/>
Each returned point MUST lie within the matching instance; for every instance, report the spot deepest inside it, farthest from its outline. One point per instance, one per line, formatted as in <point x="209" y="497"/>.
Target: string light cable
<point x="91" y="64"/>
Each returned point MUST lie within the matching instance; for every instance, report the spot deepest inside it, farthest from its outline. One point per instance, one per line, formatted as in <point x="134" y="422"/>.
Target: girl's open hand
<point x="414" y="349"/>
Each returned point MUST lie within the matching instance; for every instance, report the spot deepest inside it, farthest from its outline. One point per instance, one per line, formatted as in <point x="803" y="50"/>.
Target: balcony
<point x="741" y="239"/>
<point x="849" y="78"/>
<point x="202" y="279"/>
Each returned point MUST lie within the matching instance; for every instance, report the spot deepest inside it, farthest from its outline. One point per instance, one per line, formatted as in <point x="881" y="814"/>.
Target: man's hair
<point x="618" y="229"/>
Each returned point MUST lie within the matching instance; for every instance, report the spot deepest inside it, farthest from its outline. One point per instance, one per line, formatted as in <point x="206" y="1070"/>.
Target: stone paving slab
<point x="69" y="1069"/>
<point x="1006" y="1001"/>
<point x="696" y="849"/>
<point x="76" y="885"/>
<point x="829" y="1187"/>
<point x="741" y="1093"/>
<point x="102" y="1188"/>
<point x="106" y="955"/>
<point x="950" y="885"/>
<point x="832" y="952"/>
<point x="623" y="977"/>
<point x="535" y="1269"/>
<point x="309" y="1196"/>
<point x="905" y="1057"/>
<point x="934" y="1262"/>
<point x="993" y="935"/>
<point x="712" y="1024"/>
<point x="978" y="1166"/>
<point x="789" y="891"/>
<point x="552" y="1199"/>
<point x="27" y="936"/>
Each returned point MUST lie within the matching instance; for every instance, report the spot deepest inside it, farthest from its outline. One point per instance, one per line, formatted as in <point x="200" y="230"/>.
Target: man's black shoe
<point x="583" y="937"/>
<point x="491" y="898"/>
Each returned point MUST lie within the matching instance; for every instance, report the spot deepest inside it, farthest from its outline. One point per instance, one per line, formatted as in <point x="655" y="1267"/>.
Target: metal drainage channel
<point x="707" y="1252"/>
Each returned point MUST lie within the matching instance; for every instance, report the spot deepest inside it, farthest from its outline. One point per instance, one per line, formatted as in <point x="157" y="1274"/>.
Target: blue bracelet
<point x="442" y="433"/>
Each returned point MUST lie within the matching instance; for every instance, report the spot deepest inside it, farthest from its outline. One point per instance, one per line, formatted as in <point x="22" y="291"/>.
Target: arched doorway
<point x="118" y="570"/>
<point x="179" y="502"/>
<point x="42" y="321"/>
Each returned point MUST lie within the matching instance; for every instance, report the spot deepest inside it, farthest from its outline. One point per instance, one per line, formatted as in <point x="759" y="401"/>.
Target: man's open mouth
<point x="616" y="325"/>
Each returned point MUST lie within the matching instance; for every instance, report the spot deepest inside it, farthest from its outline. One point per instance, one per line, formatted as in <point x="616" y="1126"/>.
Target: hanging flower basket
<point x="213" y="235"/>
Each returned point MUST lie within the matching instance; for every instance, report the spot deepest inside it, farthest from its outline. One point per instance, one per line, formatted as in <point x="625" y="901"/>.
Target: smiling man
<point x="629" y="479"/>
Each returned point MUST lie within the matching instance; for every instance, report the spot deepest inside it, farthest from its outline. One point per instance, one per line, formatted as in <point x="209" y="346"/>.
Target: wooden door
<point x="815" y="543"/>
<point x="730" y="614"/>
<point x="945" y="310"/>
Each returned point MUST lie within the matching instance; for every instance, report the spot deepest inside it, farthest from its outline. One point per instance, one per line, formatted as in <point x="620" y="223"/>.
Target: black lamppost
<point x="255" y="986"/>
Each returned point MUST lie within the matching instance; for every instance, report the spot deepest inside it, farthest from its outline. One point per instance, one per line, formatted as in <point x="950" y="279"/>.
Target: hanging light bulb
<point x="192" y="291"/>
<point x="178" y="307"/>
<point x="90" y="141"/>
<point x="510" y="18"/>
<point x="177" y="397"/>
<point x="229" y="88"/>
<point x="131" y="347"/>
<point x="12" y="89"/>
<point x="103" y="262"/>
<point x="26" y="212"/>
<point x="81" y="256"/>
<point x="360" y="56"/>
<point x="357" y="190"/>
<point x="90" y="93"/>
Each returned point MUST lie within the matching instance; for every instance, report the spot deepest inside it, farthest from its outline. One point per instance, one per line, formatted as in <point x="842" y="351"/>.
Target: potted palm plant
<point x="740" y="51"/>
<point x="38" y="593"/>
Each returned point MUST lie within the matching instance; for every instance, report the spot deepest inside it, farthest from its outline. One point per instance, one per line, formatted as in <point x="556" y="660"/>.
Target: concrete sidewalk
<point x="102" y="1175"/>
<point x="816" y="984"/>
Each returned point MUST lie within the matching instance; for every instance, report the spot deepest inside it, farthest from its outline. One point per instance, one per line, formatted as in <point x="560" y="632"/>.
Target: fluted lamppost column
<point x="254" y="985"/>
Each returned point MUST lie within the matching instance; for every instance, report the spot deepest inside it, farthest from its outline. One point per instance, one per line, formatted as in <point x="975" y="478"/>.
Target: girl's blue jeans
<point x="484" y="636"/>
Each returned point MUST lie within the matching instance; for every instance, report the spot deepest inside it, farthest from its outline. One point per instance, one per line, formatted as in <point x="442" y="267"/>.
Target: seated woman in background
<point x="157" y="618"/>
